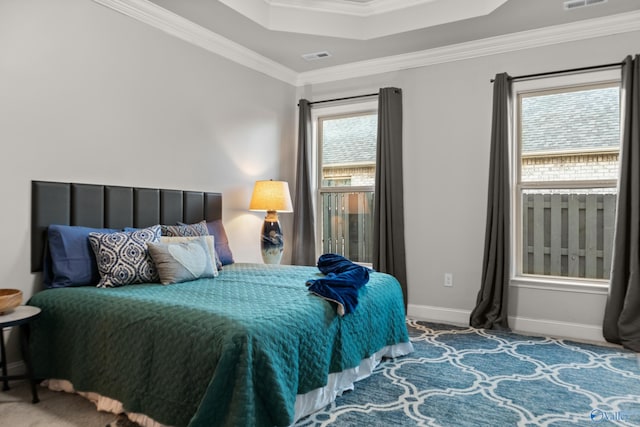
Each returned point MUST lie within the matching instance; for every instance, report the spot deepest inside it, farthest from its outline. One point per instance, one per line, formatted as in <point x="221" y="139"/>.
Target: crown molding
<point x="160" y="18"/>
<point x="177" y="26"/>
<point x="580" y="30"/>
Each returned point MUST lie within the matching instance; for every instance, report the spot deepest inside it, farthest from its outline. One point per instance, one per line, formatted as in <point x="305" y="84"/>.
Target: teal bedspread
<point x="230" y="351"/>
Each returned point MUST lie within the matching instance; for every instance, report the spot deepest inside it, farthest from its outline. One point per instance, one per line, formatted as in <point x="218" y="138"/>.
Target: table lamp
<point x="273" y="197"/>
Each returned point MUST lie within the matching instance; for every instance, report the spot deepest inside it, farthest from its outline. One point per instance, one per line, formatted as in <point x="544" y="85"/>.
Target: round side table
<point x="20" y="316"/>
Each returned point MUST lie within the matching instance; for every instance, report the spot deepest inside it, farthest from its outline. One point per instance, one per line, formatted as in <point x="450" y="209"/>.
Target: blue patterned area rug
<point x="471" y="377"/>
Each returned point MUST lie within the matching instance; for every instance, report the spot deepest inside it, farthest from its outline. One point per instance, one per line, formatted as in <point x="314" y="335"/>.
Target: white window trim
<point x="328" y="111"/>
<point x="551" y="283"/>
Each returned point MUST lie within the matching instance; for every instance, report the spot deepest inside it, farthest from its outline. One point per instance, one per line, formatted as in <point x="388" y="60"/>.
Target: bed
<point x="248" y="347"/>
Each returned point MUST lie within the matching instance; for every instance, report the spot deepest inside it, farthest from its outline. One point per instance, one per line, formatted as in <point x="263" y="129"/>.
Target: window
<point x="346" y="142"/>
<point x="566" y="171"/>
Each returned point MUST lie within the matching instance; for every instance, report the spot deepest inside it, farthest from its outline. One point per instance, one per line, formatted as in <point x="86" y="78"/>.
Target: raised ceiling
<point x="360" y="20"/>
<point x="500" y="25"/>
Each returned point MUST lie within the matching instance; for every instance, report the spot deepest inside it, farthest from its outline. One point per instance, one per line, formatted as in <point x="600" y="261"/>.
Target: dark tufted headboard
<point x="107" y="206"/>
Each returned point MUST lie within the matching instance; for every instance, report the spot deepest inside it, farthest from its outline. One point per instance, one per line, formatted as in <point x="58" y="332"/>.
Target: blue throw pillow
<point x="216" y="229"/>
<point x="123" y="258"/>
<point x="72" y="262"/>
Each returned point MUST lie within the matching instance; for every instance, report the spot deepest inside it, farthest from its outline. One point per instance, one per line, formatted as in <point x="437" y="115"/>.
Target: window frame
<point x="352" y="109"/>
<point x="548" y="85"/>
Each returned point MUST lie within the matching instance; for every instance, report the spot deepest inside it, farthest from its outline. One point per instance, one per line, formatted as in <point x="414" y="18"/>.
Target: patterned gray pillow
<point x="197" y="229"/>
<point x="123" y="258"/>
<point x="183" y="261"/>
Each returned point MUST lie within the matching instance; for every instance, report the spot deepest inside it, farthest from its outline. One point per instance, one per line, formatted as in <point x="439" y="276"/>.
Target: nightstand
<point x="20" y="316"/>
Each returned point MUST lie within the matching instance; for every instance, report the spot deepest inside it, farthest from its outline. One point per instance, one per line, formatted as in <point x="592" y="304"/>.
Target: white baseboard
<point x="525" y="325"/>
<point x="438" y="314"/>
<point x="554" y="328"/>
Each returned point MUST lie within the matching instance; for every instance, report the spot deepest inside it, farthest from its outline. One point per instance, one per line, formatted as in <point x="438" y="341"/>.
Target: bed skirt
<point x="308" y="403"/>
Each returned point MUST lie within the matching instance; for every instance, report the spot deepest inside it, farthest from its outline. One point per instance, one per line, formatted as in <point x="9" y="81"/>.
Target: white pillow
<point x="210" y="241"/>
<point x="178" y="262"/>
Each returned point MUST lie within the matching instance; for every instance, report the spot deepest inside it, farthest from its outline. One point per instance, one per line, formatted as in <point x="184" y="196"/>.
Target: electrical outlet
<point x="448" y="279"/>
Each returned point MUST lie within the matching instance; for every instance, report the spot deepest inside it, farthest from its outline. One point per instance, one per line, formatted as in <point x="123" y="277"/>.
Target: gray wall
<point x="447" y="118"/>
<point x="89" y="95"/>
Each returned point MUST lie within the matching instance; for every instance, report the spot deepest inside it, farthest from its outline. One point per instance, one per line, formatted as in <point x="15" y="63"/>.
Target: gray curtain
<point x="304" y="229"/>
<point x="388" y="219"/>
<point x="491" y="311"/>
<point x="622" y="313"/>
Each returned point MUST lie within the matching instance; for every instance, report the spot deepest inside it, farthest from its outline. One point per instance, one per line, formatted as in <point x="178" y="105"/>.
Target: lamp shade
<point x="271" y="196"/>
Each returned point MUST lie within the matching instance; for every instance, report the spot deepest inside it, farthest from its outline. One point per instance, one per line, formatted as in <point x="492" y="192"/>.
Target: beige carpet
<point x="55" y="409"/>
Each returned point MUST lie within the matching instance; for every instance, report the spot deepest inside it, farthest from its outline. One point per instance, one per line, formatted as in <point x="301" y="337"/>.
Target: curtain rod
<point x="343" y="99"/>
<point x="570" y="70"/>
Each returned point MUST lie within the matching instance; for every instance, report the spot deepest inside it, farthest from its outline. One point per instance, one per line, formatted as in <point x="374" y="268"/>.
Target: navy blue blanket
<point x="341" y="283"/>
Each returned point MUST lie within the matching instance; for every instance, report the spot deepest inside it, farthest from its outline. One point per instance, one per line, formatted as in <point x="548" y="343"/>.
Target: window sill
<point x="584" y="286"/>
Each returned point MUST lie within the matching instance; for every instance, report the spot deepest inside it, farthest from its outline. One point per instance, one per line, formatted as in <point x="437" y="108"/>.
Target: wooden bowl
<point x="9" y="299"/>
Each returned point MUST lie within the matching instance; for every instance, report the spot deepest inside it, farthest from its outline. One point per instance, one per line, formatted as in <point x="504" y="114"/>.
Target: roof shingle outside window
<point x="349" y="140"/>
<point x="570" y="121"/>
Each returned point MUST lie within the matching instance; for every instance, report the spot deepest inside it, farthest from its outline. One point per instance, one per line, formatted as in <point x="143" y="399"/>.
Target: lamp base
<point x="272" y="241"/>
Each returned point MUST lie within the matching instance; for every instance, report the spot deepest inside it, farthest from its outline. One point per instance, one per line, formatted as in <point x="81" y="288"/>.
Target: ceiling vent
<point x="316" y="55"/>
<point x="576" y="4"/>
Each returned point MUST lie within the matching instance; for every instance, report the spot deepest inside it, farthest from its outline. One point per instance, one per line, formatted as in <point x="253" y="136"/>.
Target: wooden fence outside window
<point x="347" y="225"/>
<point x="569" y="235"/>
